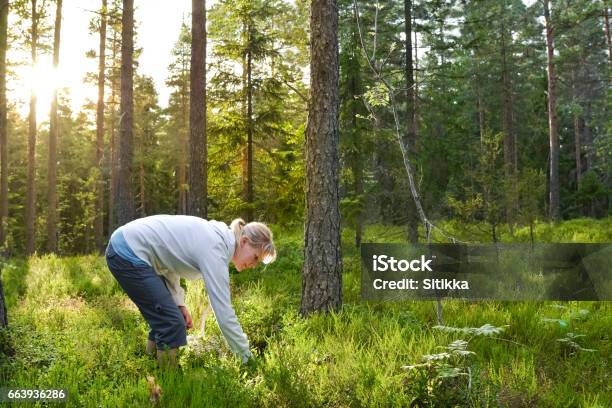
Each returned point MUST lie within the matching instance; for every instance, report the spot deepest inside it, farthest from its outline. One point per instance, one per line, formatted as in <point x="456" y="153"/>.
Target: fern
<point x="569" y="340"/>
<point x="484" y="330"/>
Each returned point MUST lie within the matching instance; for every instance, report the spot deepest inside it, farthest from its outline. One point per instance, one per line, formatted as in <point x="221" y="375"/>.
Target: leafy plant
<point x="445" y="379"/>
<point x="570" y="341"/>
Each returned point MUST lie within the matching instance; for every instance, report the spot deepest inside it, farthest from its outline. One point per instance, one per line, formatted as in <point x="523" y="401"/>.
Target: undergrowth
<point x="72" y="327"/>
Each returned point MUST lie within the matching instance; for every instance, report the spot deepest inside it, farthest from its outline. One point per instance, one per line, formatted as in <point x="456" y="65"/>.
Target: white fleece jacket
<point x="182" y="246"/>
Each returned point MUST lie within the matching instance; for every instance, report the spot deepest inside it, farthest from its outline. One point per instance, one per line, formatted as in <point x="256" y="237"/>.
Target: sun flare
<point x="43" y="79"/>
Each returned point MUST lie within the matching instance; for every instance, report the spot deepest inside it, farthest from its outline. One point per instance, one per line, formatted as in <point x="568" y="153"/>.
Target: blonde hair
<point x="259" y="236"/>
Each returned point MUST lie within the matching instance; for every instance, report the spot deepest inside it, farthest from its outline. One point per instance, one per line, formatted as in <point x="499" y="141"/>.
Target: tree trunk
<point x="552" y="120"/>
<point x="182" y="178"/>
<point x="141" y="187"/>
<point x="184" y="140"/>
<point x="507" y="131"/>
<point x="125" y="201"/>
<point x="4" y="7"/>
<point x="3" y="313"/>
<point x="53" y="136"/>
<point x="198" y="152"/>
<point x="577" y="135"/>
<point x="98" y="222"/>
<point x="481" y="114"/>
<point x="417" y="118"/>
<point x="30" y="217"/>
<point x="607" y="28"/>
<point x="112" y="154"/>
<point x="578" y="126"/>
<point x="249" y="190"/>
<point x="356" y="157"/>
<point x="322" y="270"/>
<point x="410" y="137"/>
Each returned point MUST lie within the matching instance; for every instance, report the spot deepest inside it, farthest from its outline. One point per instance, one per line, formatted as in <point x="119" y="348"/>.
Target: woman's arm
<point x="215" y="271"/>
<point x="173" y="283"/>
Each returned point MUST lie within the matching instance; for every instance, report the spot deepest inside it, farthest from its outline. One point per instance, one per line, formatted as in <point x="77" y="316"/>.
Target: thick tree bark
<point x="322" y="270"/>
<point x="4" y="7"/>
<point x="554" y="209"/>
<point x="410" y="137"/>
<point x="53" y="136"/>
<point x="30" y="217"/>
<point x="99" y="220"/>
<point x="125" y="199"/>
<point x="198" y="152"/>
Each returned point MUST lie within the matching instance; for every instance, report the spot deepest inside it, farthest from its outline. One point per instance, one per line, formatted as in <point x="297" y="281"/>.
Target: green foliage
<point x="71" y="325"/>
<point x="571" y="317"/>
<point x="442" y="379"/>
<point x="258" y="30"/>
<point x="484" y="330"/>
<point x="570" y="341"/>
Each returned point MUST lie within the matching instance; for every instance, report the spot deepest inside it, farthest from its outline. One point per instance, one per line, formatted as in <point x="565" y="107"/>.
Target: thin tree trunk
<point x="112" y="185"/>
<point x="481" y="114"/>
<point x="509" y="148"/>
<point x="588" y="138"/>
<point x="125" y="202"/>
<point x="607" y="28"/>
<point x="356" y="159"/>
<point x="182" y="178"/>
<point x="4" y="8"/>
<point x="249" y="191"/>
<point x="3" y="313"/>
<point x="244" y="149"/>
<point x="578" y="125"/>
<point x="417" y="118"/>
<point x="53" y="136"/>
<point x="99" y="220"/>
<point x="31" y="182"/>
<point x="577" y="134"/>
<point x="413" y="218"/>
<point x="141" y="186"/>
<point x="322" y="270"/>
<point x="184" y="140"/>
<point x="198" y="152"/>
<point x="552" y="119"/>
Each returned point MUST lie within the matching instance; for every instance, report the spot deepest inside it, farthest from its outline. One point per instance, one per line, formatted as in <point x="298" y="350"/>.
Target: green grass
<point x="72" y="327"/>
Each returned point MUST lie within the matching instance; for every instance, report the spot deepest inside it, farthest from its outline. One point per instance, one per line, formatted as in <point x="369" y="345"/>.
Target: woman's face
<point x="245" y="255"/>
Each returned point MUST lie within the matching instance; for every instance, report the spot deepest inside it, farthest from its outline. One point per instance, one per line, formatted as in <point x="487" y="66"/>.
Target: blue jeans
<point x="150" y="294"/>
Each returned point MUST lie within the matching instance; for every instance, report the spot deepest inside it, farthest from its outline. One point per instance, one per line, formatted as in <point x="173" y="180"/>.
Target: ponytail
<point x="237" y="227"/>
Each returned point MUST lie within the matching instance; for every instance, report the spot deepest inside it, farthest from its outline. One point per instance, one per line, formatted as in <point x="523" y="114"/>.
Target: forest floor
<point x="72" y="327"/>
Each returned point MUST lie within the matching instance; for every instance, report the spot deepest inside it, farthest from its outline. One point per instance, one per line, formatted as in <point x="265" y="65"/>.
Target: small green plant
<point x="445" y="379"/>
<point x="570" y="341"/>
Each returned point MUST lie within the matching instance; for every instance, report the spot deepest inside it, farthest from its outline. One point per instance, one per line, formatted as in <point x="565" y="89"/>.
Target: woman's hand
<point x="187" y="316"/>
